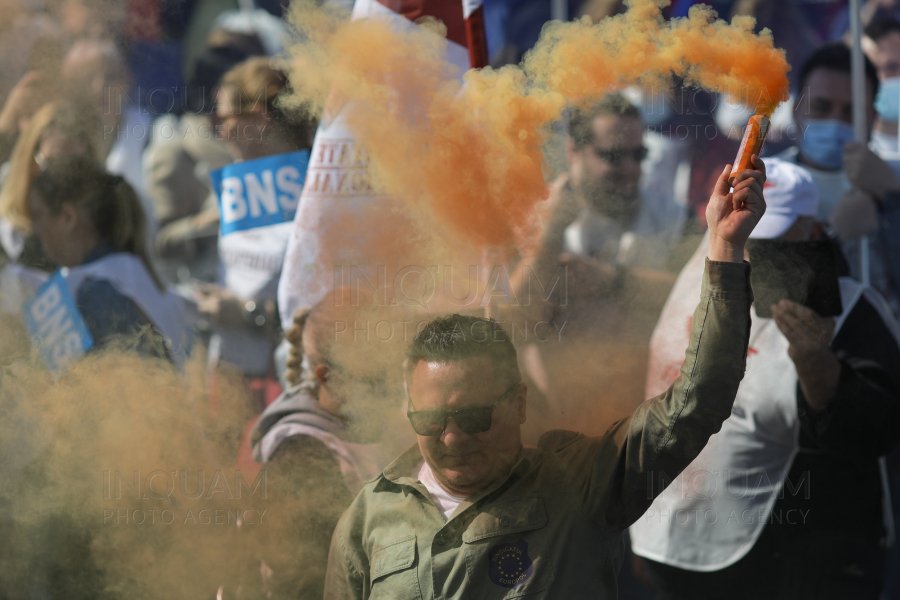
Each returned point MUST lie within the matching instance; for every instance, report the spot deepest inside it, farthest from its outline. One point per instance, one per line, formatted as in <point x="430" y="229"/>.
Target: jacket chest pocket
<point x="508" y="550"/>
<point x="393" y="570"/>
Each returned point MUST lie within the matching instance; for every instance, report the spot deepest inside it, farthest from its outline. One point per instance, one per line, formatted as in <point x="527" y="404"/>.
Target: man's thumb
<point x="722" y="185"/>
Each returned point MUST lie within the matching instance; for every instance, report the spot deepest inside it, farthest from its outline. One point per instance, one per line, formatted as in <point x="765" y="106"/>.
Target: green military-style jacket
<point x="553" y="527"/>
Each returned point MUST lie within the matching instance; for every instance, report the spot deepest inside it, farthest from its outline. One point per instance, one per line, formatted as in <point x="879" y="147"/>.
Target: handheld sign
<point x="56" y="327"/>
<point x="804" y="272"/>
<point x="261" y="192"/>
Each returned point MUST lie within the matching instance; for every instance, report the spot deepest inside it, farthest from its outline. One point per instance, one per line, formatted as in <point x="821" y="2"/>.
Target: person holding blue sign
<point x="92" y="224"/>
<point x="258" y="197"/>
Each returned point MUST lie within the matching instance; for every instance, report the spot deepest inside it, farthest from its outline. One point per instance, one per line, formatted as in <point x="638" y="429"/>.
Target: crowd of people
<point x="742" y="448"/>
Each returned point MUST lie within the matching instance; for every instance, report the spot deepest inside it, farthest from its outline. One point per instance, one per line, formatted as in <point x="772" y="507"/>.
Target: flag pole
<point x="476" y="38"/>
<point x="559" y="10"/>
<point x="860" y="126"/>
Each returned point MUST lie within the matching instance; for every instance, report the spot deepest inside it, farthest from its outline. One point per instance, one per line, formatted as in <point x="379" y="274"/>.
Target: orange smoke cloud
<point x="467" y="157"/>
<point x="579" y="59"/>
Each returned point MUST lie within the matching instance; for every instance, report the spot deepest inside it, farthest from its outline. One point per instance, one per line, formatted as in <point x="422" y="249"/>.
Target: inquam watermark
<point x="158" y="100"/>
<point x="701" y="484"/>
<point x="188" y="497"/>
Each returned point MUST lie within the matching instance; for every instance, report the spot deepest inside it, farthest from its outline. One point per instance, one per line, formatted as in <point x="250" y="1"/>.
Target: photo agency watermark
<point x="161" y="100"/>
<point x="185" y="497"/>
<point x="733" y="485"/>
<point x="703" y="488"/>
<point x="445" y="288"/>
<point x="689" y="113"/>
<point x="149" y="103"/>
<point x="170" y="131"/>
<point x="683" y="113"/>
<point x="697" y="516"/>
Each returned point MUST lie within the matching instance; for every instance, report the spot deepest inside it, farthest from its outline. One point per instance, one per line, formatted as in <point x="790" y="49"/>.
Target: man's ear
<point x="322" y="373"/>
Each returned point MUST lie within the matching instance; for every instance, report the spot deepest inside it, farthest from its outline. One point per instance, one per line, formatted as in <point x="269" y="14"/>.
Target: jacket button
<point x="440" y="539"/>
<point x="504" y="521"/>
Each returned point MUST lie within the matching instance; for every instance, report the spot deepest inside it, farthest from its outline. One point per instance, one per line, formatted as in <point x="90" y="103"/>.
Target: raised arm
<point x="633" y="462"/>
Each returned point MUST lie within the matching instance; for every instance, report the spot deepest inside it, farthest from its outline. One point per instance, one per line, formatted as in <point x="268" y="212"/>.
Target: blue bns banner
<point x="55" y="324"/>
<point x="261" y="192"/>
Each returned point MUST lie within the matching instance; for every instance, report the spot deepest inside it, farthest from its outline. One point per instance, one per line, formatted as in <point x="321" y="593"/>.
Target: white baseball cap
<point x="790" y="193"/>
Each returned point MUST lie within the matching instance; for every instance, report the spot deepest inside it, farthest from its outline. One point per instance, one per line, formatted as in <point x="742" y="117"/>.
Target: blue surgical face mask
<point x="887" y="101"/>
<point x="823" y="142"/>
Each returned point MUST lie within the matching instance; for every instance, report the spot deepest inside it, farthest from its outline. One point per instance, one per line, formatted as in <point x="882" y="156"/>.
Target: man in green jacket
<point x="469" y="513"/>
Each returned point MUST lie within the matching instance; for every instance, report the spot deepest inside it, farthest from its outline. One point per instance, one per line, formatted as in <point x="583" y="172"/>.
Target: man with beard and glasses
<point x="604" y="261"/>
<point x="614" y="223"/>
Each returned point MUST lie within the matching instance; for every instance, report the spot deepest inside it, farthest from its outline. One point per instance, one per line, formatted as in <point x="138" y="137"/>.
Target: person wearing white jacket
<point x="786" y="500"/>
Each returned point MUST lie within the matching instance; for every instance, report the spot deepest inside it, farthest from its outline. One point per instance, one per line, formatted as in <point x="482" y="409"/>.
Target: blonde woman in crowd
<point x="56" y="130"/>
<point x="92" y="222"/>
<point x="242" y="307"/>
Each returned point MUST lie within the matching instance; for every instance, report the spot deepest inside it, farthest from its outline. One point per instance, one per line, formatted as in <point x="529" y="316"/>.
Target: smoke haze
<point x="468" y="154"/>
<point x="88" y="457"/>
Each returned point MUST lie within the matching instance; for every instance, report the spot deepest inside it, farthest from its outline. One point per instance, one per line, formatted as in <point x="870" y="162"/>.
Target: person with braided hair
<point x="321" y="439"/>
<point x="92" y="223"/>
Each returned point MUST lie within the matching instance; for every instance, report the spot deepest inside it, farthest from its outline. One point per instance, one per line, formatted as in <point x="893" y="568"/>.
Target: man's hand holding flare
<point x="732" y="214"/>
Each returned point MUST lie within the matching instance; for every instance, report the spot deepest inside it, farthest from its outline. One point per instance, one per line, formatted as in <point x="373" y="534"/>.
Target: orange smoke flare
<point x="754" y="138"/>
<point x="467" y="159"/>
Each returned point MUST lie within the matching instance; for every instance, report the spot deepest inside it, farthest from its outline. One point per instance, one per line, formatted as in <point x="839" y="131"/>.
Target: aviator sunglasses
<point x="469" y="420"/>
